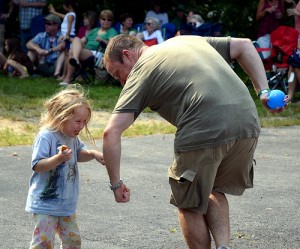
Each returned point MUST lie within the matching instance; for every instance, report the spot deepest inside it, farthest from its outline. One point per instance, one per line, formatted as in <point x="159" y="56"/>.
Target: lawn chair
<point x="283" y="42"/>
<point x="92" y="69"/>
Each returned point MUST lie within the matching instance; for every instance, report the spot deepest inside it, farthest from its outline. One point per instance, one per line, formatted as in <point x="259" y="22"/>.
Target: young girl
<point x="54" y="184"/>
<point x="68" y="32"/>
<point x="17" y="63"/>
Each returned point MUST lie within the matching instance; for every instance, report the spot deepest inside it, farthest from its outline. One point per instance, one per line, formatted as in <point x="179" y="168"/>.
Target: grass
<point x="21" y="103"/>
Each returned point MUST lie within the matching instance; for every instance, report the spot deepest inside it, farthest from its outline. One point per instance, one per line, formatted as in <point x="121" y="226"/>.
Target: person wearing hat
<point x="44" y="48"/>
<point x="28" y="9"/>
<point x="180" y="20"/>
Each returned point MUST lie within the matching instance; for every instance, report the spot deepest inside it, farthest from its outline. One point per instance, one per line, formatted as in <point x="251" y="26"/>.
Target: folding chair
<point x="168" y="30"/>
<point x="92" y="68"/>
<point x="283" y="42"/>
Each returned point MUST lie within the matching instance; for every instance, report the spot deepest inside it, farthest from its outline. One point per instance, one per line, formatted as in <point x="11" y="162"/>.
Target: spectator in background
<point x="90" y="21"/>
<point x="4" y="15"/>
<point x="197" y="26"/>
<point x="28" y="9"/>
<point x="17" y="63"/>
<point x="180" y="20"/>
<point x="93" y="44"/>
<point x="125" y="26"/>
<point x="68" y="32"/>
<point x="45" y="47"/>
<point x="152" y="34"/>
<point x="158" y="12"/>
<point x="294" y="70"/>
<point x="269" y="15"/>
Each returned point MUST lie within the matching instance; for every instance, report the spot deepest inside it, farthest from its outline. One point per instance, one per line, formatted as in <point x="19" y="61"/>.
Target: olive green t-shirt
<point x="189" y="83"/>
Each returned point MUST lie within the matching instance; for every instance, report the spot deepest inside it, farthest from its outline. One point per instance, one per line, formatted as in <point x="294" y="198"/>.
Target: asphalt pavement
<point x="265" y="217"/>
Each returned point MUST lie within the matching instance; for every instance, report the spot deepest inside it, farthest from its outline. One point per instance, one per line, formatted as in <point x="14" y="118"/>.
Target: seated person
<point x="44" y="48"/>
<point x="17" y="63"/>
<point x="125" y="25"/>
<point x="197" y="26"/>
<point x="152" y="34"/>
<point x="93" y="44"/>
<point x="90" y="21"/>
<point x="158" y="12"/>
<point x="180" y="20"/>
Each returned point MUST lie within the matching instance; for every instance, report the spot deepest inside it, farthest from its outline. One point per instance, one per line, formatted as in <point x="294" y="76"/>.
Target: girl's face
<point x="79" y="120"/>
<point x="128" y="22"/>
<point x="86" y="21"/>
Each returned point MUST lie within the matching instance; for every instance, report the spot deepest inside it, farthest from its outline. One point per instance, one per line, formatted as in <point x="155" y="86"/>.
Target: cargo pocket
<point x="183" y="185"/>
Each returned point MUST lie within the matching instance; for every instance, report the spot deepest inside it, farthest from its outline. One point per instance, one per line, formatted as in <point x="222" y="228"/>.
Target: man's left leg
<point x="217" y="218"/>
<point x="194" y="229"/>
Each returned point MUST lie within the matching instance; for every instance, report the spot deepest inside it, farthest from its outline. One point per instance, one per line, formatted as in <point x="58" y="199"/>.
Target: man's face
<point x="51" y="27"/>
<point x="120" y="71"/>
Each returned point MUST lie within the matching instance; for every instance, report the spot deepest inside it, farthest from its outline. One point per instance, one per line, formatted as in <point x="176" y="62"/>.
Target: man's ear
<point x="127" y="55"/>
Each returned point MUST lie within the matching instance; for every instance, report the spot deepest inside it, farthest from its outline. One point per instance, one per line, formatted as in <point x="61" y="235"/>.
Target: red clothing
<point x="81" y="32"/>
<point x="271" y="21"/>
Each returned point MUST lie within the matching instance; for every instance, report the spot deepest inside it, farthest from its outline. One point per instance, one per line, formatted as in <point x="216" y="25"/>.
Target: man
<point x="45" y="47"/>
<point x="28" y="9"/>
<point x="196" y="90"/>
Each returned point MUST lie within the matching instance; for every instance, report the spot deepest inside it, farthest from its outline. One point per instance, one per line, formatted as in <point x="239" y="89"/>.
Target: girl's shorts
<point x="227" y="169"/>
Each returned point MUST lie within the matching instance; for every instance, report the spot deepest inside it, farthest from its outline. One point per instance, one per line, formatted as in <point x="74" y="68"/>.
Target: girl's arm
<point x="70" y="21"/>
<point x="50" y="163"/>
<point x="88" y="155"/>
<point x="53" y="11"/>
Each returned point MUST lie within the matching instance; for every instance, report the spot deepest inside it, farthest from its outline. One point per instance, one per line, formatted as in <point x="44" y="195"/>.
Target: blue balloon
<point x="276" y="99"/>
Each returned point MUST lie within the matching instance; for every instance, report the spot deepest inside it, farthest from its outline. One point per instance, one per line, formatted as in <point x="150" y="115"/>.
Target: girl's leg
<point x="82" y="56"/>
<point x="68" y="232"/>
<point x="44" y="231"/>
<point x="59" y="63"/>
<point x="18" y="67"/>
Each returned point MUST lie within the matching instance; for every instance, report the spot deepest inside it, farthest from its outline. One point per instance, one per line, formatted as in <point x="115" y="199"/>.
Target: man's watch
<point x="263" y="91"/>
<point x="116" y="186"/>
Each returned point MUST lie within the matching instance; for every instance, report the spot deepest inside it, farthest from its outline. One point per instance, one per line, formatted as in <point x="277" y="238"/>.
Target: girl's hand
<point x="51" y="9"/>
<point x="99" y="157"/>
<point x="66" y="155"/>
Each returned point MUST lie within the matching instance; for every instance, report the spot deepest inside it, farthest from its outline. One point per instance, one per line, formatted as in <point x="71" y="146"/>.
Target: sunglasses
<point x="106" y="19"/>
<point x="148" y="23"/>
<point x="49" y="23"/>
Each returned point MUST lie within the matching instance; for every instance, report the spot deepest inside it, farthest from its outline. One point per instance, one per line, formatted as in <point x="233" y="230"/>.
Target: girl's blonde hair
<point x="60" y="108"/>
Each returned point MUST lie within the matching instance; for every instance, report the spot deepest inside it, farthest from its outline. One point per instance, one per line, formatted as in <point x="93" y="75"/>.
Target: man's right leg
<point x="194" y="229"/>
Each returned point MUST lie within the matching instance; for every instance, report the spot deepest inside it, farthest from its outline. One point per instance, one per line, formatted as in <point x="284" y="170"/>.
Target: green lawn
<point x="21" y="101"/>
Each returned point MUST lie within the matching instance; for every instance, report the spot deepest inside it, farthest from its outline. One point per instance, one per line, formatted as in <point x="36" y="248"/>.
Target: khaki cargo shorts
<point x="227" y="169"/>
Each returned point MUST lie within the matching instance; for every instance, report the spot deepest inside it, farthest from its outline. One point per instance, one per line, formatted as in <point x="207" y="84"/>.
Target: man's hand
<point x="122" y="194"/>
<point x="264" y="99"/>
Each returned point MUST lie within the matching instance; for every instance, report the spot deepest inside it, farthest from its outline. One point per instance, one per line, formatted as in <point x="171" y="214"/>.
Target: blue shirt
<point x="46" y="42"/>
<point x="54" y="192"/>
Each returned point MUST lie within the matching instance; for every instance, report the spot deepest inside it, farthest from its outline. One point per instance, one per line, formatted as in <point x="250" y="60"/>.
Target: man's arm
<point x="118" y="123"/>
<point x="242" y="50"/>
